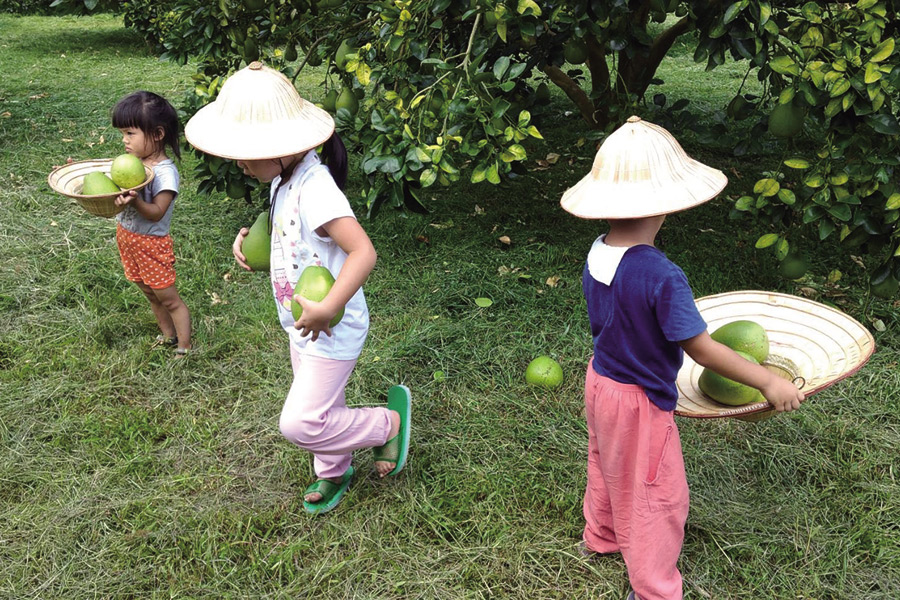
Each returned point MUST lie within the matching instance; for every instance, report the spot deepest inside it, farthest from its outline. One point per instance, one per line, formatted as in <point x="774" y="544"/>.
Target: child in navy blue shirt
<point x="643" y="318"/>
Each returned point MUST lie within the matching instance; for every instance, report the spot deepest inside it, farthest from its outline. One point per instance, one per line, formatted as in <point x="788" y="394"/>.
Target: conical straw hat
<point x="810" y="343"/>
<point x="641" y="171"/>
<point x="258" y="115"/>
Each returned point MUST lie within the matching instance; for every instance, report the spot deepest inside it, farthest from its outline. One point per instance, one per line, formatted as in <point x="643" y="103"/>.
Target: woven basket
<point x="811" y="344"/>
<point x="68" y="179"/>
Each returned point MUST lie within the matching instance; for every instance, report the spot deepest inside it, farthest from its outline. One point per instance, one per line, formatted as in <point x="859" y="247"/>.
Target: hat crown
<point x="639" y="171"/>
<point x="258" y="94"/>
<point x="258" y="115"/>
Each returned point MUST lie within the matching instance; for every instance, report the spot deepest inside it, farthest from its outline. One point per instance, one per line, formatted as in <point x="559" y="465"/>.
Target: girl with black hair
<point x="260" y="121"/>
<point x="149" y="126"/>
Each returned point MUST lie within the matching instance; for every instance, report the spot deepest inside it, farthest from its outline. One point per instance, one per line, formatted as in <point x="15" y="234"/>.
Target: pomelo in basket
<point x="96" y="183"/>
<point x="744" y="336"/>
<point x="257" y="245"/>
<point x="727" y="391"/>
<point x="314" y="284"/>
<point x="127" y="171"/>
<point x="544" y="371"/>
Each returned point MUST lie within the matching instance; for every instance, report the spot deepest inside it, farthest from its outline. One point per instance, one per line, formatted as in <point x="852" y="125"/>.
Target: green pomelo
<point x="786" y="120"/>
<point x="127" y="171"/>
<point x="235" y="188"/>
<point x="340" y="57"/>
<point x="575" y="52"/>
<point x="793" y="267"/>
<point x="251" y="50"/>
<point x="347" y="100"/>
<point x="727" y="391"/>
<point x="97" y="183"/>
<point x="290" y="53"/>
<point x="544" y="371"/>
<point x="257" y="245"/>
<point x="744" y="336"/>
<point x="314" y="284"/>
<point x="329" y="100"/>
<point x="314" y="59"/>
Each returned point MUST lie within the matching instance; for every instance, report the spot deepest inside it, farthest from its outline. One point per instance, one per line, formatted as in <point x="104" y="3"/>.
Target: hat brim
<point x="591" y="198"/>
<point x="810" y="343"/>
<point x="211" y="134"/>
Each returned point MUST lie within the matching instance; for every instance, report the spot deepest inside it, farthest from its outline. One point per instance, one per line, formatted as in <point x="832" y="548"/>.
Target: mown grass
<point x="124" y="474"/>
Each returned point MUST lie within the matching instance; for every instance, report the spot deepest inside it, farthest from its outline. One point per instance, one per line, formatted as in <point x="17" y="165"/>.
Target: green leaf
<point x="744" y="203"/>
<point x="533" y="132"/>
<point x="501" y="67"/>
<point x="841" y="212"/>
<point x="525" y="5"/>
<point x="782" y="248"/>
<point x="883" y="50"/>
<point x="797" y="163"/>
<point x="840" y="88"/>
<point x="784" y="65"/>
<point x="787" y="196"/>
<point x="766" y="187"/>
<point x="873" y="74"/>
<point x="893" y="202"/>
<point x="493" y="174"/>
<point x="814" y="180"/>
<point x="483" y="302"/>
<point x="427" y="177"/>
<point x="767" y="240"/>
<point x="826" y="228"/>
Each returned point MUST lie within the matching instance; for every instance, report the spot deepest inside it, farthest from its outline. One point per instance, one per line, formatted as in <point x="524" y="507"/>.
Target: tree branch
<point x="574" y="92"/>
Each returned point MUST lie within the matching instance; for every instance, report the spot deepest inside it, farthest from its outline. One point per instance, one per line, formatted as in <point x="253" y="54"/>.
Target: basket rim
<point x="55" y="174"/>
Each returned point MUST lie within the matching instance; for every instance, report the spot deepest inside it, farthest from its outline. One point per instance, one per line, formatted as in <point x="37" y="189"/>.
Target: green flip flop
<point x="331" y="493"/>
<point x="396" y="449"/>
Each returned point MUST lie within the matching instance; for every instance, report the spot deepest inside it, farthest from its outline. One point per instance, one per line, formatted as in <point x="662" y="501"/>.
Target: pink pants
<point x="316" y="418"/>
<point x="636" y="500"/>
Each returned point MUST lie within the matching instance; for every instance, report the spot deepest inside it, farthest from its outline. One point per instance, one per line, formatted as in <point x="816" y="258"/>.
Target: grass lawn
<point x="124" y="474"/>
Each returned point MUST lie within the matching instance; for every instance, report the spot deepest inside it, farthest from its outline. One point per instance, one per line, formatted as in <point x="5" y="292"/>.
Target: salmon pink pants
<point x="636" y="500"/>
<point x="315" y="415"/>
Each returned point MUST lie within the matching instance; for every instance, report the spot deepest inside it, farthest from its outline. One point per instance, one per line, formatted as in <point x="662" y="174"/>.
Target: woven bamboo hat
<point x="257" y="115"/>
<point x="810" y="343"/>
<point x="641" y="171"/>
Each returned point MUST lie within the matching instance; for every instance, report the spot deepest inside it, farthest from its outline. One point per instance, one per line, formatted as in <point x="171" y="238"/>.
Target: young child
<point x="642" y="317"/>
<point x="261" y="121"/>
<point x="149" y="124"/>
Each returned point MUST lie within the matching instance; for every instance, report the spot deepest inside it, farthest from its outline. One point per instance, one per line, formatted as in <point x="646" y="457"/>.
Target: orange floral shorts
<point x="148" y="259"/>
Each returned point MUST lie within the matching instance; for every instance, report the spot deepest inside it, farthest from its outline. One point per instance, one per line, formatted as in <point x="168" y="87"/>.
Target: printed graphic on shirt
<point x="295" y="255"/>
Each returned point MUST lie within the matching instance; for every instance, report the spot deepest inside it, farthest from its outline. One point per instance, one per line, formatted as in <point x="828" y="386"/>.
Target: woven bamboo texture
<point x="810" y="343"/>
<point x="69" y="179"/>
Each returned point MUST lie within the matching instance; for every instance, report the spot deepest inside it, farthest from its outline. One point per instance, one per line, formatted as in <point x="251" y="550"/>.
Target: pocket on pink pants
<point x="665" y="483"/>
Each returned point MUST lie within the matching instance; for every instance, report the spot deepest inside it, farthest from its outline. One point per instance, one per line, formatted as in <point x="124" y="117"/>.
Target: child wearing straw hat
<point x="261" y="121"/>
<point x="643" y="317"/>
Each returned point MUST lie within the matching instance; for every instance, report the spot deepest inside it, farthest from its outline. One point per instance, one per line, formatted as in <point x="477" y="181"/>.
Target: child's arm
<point x="351" y="237"/>
<point x="707" y="352"/>
<point x="236" y="249"/>
<point x="152" y="211"/>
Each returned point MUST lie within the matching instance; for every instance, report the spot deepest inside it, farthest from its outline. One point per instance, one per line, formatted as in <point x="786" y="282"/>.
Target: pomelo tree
<point x="433" y="91"/>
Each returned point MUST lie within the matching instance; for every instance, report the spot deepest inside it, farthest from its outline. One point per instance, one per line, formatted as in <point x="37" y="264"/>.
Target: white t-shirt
<point x="307" y="201"/>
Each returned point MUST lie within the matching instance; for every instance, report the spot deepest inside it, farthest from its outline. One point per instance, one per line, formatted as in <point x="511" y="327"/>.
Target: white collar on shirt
<point x="603" y="260"/>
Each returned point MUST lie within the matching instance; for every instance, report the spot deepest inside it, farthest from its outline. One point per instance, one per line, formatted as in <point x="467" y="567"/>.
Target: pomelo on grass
<point x="314" y="284"/>
<point x="727" y="391"/>
<point x="744" y="336"/>
<point x="544" y="371"/>
<point x="257" y="244"/>
<point x="127" y="171"/>
<point x="96" y="183"/>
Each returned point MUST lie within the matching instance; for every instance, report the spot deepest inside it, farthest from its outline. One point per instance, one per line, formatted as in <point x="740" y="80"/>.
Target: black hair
<point x="334" y="154"/>
<point x="148" y="112"/>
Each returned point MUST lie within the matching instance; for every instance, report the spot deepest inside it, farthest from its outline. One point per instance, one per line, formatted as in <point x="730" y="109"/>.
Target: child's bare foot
<point x="383" y="466"/>
<point x="316" y="496"/>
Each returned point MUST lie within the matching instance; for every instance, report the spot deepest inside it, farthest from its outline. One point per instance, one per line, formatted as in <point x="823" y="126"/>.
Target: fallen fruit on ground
<point x="257" y="245"/>
<point x="744" y="336"/>
<point x="127" y="171"/>
<point x="544" y="371"/>
<point x="97" y="183"/>
<point x="314" y="284"/>
<point x="793" y="267"/>
<point x="727" y="391"/>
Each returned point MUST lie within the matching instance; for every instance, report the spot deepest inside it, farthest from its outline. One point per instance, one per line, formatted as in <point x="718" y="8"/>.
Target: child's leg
<point x="178" y="314"/>
<point x="643" y="468"/>
<point x="316" y="417"/>
<point x="599" y="534"/>
<point x="163" y="319"/>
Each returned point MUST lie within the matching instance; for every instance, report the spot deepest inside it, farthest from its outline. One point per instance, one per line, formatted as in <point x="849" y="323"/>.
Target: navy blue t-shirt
<point x="638" y="320"/>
